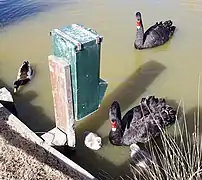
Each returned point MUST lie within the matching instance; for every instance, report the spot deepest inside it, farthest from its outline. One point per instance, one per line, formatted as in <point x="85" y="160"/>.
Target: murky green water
<point x="170" y="71"/>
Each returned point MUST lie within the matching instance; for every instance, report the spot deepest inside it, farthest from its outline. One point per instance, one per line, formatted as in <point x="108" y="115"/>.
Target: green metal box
<point x="81" y="46"/>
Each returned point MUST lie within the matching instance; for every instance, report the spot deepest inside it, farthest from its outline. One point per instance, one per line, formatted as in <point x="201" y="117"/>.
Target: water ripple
<point x="16" y="10"/>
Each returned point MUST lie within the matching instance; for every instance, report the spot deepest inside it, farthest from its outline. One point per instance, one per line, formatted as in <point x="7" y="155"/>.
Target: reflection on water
<point x="169" y="71"/>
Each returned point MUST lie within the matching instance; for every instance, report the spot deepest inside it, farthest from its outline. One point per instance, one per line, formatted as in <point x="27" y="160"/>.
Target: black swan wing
<point x="156" y="36"/>
<point x="142" y="130"/>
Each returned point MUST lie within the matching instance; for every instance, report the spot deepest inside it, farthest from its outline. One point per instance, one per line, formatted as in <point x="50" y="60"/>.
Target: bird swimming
<point x="25" y="74"/>
<point x="140" y="123"/>
<point x="156" y="35"/>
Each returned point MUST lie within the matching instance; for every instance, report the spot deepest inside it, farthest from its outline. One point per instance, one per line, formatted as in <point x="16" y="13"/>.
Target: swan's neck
<point x="139" y="34"/>
<point x="115" y="136"/>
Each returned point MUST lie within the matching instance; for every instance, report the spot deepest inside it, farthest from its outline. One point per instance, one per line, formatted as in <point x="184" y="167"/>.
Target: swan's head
<point x="115" y="115"/>
<point x="134" y="148"/>
<point x="138" y="20"/>
<point x="26" y="62"/>
<point x="140" y="158"/>
<point x="116" y="133"/>
<point x="138" y="16"/>
<point x="92" y="141"/>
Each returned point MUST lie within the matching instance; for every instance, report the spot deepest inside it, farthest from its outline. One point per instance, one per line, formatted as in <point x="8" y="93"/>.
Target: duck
<point x="25" y="74"/>
<point x="140" y="158"/>
<point x="92" y="140"/>
<point x="140" y="123"/>
<point x="156" y="35"/>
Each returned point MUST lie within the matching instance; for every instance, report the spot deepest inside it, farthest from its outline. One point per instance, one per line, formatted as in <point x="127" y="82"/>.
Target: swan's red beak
<point x="113" y="123"/>
<point x="138" y="23"/>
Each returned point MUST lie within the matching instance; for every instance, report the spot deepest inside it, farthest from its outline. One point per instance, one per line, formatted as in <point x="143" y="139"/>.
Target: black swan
<point x="140" y="158"/>
<point x="156" y="35"/>
<point x="140" y="123"/>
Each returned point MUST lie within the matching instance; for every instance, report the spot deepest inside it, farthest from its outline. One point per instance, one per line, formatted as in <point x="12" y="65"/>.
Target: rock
<point x="92" y="140"/>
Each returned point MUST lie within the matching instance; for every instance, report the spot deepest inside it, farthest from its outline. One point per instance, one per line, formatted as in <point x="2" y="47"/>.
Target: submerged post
<point x="76" y="65"/>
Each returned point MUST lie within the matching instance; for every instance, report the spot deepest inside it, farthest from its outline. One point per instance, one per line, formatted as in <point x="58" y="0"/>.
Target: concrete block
<point x="55" y="137"/>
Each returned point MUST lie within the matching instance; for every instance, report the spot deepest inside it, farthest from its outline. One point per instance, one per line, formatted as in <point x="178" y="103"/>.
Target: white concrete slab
<point x="55" y="137"/>
<point x="5" y="95"/>
<point x="21" y="128"/>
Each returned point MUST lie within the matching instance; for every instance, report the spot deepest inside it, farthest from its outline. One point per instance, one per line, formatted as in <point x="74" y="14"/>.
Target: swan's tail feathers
<point x="172" y="30"/>
<point x="168" y="23"/>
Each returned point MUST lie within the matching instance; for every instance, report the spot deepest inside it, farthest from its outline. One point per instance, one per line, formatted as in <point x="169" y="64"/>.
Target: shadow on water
<point x="126" y="94"/>
<point x="32" y="116"/>
<point x="99" y="166"/>
<point x="43" y="123"/>
<point x="27" y="112"/>
<point x="12" y="11"/>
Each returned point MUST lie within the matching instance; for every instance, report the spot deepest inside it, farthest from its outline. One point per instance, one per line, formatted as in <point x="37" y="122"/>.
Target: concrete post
<point x="60" y="76"/>
<point x="81" y="46"/>
<point x="78" y="94"/>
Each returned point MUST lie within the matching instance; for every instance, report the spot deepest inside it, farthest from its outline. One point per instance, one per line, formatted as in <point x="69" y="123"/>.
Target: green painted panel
<point x="102" y="89"/>
<point x="88" y="80"/>
<point x="81" y="46"/>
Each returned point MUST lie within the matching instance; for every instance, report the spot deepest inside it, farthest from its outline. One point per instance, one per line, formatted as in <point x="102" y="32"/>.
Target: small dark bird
<point x="25" y="74"/>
